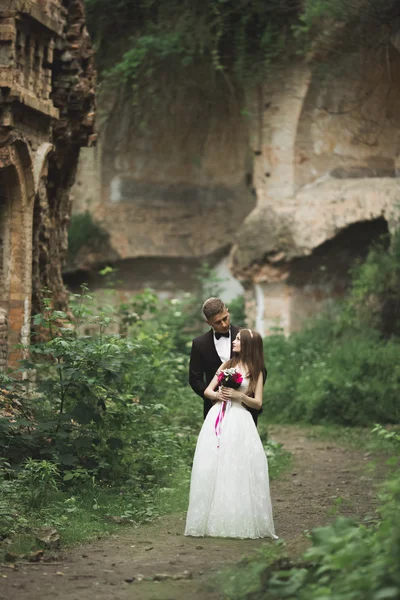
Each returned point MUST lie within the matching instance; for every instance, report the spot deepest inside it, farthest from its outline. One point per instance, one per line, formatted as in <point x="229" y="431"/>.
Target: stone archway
<point x="5" y="247"/>
<point x="16" y="206"/>
<point x="328" y="160"/>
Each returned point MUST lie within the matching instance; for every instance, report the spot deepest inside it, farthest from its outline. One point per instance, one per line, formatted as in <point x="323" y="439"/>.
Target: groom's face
<point x="220" y="322"/>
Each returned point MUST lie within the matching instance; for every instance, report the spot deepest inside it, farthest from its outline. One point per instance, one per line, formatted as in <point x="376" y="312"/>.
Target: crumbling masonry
<point x="46" y="115"/>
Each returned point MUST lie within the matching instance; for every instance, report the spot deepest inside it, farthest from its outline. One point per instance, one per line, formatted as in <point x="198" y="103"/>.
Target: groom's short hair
<point x="212" y="307"/>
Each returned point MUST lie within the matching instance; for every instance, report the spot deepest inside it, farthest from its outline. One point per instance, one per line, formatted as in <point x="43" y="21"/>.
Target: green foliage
<point x="148" y="38"/>
<point x="95" y="416"/>
<point x="83" y="232"/>
<point x="348" y="562"/>
<point x="138" y="42"/>
<point x="243" y="580"/>
<point x="99" y="395"/>
<point x="353" y="381"/>
<point x="237" y="311"/>
<point x="343" y="367"/>
<point x="389" y="436"/>
<point x="315" y="10"/>
<point x="153" y="46"/>
<point x="345" y="561"/>
<point x="106" y="416"/>
<point x="10" y="520"/>
<point x="375" y="296"/>
<point x="315" y="13"/>
<point x="362" y="19"/>
<point x="39" y="479"/>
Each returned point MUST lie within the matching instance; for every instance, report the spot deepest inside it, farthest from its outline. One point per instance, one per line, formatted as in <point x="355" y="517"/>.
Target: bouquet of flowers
<point x="230" y="378"/>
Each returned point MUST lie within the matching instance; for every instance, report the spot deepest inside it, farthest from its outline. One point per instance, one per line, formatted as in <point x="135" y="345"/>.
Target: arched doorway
<point x="16" y="205"/>
<point x="5" y="248"/>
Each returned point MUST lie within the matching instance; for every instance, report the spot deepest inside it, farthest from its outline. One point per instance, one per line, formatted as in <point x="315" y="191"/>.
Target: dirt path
<point x="322" y="475"/>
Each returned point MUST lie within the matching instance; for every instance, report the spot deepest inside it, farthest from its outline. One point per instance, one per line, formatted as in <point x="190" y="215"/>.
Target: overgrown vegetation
<point x="141" y="43"/>
<point x="346" y="561"/>
<point x="99" y="430"/>
<point x="102" y="429"/>
<point x="233" y="36"/>
<point x="343" y="367"/>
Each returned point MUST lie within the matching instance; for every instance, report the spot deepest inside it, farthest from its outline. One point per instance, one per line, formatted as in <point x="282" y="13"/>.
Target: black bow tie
<point x="219" y="335"/>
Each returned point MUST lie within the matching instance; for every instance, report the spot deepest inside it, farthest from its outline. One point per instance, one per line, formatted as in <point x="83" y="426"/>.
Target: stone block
<point x="14" y="357"/>
<point x="7" y="33"/>
<point x="16" y="318"/>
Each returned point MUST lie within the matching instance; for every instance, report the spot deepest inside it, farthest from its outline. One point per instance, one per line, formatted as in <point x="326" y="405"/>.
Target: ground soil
<point x="324" y="479"/>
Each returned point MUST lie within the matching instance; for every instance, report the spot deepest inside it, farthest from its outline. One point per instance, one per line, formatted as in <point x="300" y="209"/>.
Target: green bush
<point x="343" y="366"/>
<point x="39" y="481"/>
<point x="357" y="384"/>
<point x="104" y="411"/>
<point x="291" y="358"/>
<point x="345" y="561"/>
<point x="237" y="310"/>
<point x="374" y="300"/>
<point x="98" y="399"/>
<point x="84" y="232"/>
<point x="354" y="380"/>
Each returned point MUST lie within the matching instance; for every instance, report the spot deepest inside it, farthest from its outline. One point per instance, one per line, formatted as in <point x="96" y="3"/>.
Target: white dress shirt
<point x="223" y="347"/>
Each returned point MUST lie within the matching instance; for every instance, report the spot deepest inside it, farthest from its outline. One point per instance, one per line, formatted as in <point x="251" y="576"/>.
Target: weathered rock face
<point x="328" y="158"/>
<point x="46" y="114"/>
<point x="321" y="153"/>
<point x="73" y="95"/>
<point x="179" y="188"/>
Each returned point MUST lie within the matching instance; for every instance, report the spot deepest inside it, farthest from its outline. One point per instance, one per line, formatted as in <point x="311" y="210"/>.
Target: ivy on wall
<point x="240" y="36"/>
<point x="139" y="41"/>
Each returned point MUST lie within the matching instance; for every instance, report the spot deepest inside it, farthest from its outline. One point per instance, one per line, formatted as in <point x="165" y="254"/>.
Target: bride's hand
<point x="218" y="396"/>
<point x="230" y="394"/>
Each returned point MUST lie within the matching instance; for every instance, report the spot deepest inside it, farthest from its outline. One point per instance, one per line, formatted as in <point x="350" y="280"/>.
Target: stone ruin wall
<point x="295" y="193"/>
<point x="46" y="114"/>
<point x="326" y="162"/>
<point x="154" y="188"/>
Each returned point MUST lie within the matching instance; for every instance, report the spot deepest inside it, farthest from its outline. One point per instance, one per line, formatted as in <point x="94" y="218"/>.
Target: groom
<point x="212" y="349"/>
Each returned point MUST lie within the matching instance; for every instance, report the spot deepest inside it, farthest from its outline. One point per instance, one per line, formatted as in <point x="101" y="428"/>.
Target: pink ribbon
<point x="225" y="405"/>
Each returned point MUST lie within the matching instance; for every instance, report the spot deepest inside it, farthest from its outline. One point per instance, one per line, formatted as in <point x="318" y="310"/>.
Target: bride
<point x="229" y="489"/>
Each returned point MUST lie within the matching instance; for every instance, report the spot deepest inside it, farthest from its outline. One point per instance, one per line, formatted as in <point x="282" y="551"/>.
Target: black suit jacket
<point x="205" y="362"/>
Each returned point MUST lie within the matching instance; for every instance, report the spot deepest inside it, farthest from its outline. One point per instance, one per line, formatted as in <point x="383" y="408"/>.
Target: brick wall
<point x="3" y="339"/>
<point x="46" y="114"/>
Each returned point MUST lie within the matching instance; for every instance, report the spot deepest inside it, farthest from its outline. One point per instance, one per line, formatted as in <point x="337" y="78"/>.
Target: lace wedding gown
<point x="229" y="489"/>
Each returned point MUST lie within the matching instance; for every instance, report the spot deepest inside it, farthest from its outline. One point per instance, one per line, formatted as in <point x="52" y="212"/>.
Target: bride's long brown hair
<point x="251" y="355"/>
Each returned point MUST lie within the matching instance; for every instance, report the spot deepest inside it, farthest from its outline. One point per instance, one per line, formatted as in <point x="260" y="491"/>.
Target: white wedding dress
<point x="229" y="489"/>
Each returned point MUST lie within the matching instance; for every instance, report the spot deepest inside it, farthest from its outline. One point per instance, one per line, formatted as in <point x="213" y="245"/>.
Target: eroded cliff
<point x="313" y="159"/>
